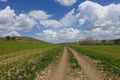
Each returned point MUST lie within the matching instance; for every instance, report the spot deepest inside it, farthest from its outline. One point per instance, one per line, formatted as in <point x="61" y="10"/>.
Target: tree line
<point x="90" y="41"/>
<point x="11" y="38"/>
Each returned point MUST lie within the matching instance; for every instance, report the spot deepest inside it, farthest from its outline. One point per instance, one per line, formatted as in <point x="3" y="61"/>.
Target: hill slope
<point x="21" y="44"/>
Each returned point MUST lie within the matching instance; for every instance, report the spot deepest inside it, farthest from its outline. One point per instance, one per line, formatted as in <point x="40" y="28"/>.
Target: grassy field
<point x="15" y="46"/>
<point x="23" y="59"/>
<point x="20" y="60"/>
<point x="109" y="55"/>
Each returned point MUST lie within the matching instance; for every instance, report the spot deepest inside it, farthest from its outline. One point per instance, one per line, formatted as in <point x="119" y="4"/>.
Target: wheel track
<point x="90" y="72"/>
<point x="59" y="72"/>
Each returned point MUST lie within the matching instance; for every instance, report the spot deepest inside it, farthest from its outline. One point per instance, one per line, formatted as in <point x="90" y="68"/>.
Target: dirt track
<point x="59" y="72"/>
<point x="90" y="72"/>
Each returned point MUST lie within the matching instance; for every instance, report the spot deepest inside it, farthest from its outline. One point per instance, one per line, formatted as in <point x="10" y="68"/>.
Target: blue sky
<point x="60" y="20"/>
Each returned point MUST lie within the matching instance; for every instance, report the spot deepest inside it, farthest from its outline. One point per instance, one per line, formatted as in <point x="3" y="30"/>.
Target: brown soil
<point x="59" y="72"/>
<point x="75" y="74"/>
<point x="90" y="72"/>
<point x="43" y="75"/>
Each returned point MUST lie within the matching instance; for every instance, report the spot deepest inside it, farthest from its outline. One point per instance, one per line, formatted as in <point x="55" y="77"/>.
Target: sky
<point x="60" y="21"/>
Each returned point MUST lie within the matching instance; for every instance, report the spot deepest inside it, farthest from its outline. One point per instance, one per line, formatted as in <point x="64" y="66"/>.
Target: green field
<point x="109" y="55"/>
<point x="15" y="46"/>
<point x="21" y="60"/>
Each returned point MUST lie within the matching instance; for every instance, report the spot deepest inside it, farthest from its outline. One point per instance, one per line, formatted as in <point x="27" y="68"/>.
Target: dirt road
<point x="90" y="72"/>
<point x="59" y="72"/>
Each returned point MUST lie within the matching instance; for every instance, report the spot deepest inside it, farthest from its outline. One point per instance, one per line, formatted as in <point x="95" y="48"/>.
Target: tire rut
<point x="90" y="72"/>
<point x="59" y="71"/>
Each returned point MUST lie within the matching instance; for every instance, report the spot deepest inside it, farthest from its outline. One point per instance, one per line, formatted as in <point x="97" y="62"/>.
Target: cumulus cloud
<point x="39" y="15"/>
<point x="9" y="21"/>
<point x="94" y="21"/>
<point x="24" y="22"/>
<point x="97" y="15"/>
<point x="90" y="19"/>
<point x="48" y="35"/>
<point x="62" y="35"/>
<point x="50" y="23"/>
<point x="67" y="21"/>
<point x="102" y="22"/>
<point x="9" y="33"/>
<point x="6" y="19"/>
<point x="72" y="35"/>
<point x="66" y="2"/>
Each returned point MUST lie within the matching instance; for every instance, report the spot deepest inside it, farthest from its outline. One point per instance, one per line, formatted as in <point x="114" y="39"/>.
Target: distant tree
<point x="87" y="41"/>
<point x="8" y="38"/>
<point x="103" y="41"/>
<point x="117" y="41"/>
<point x="13" y="38"/>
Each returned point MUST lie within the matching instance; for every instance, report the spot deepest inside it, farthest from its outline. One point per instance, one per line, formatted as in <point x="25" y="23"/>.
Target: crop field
<point x="21" y="60"/>
<point x="30" y="59"/>
<point x="109" y="55"/>
<point x="15" y="46"/>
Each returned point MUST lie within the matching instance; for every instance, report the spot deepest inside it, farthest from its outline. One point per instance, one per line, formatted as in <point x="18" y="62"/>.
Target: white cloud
<point x="62" y="35"/>
<point x="66" y="2"/>
<point x="39" y="15"/>
<point x="68" y="35"/>
<point x="82" y="20"/>
<point x="24" y="22"/>
<point x="99" y="22"/>
<point x="7" y="19"/>
<point x="50" y="23"/>
<point x="13" y="33"/>
<point x="10" y="22"/>
<point x="67" y="21"/>
<point x="3" y="0"/>
<point x="47" y="35"/>
<point x="9" y="33"/>
<point x="43" y="19"/>
<point x="98" y="15"/>
<point x="94" y="21"/>
<point x="72" y="35"/>
<point x="89" y="20"/>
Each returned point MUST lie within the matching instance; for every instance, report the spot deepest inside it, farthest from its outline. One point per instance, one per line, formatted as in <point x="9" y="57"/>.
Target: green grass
<point x="73" y="62"/>
<point x="28" y="70"/>
<point x="26" y="58"/>
<point x="109" y="55"/>
<point x="15" y="46"/>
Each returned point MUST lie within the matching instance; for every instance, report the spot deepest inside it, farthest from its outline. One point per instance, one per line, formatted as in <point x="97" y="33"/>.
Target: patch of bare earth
<point x="43" y="75"/>
<point x="90" y="72"/>
<point x="75" y="74"/>
<point x="60" y="70"/>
